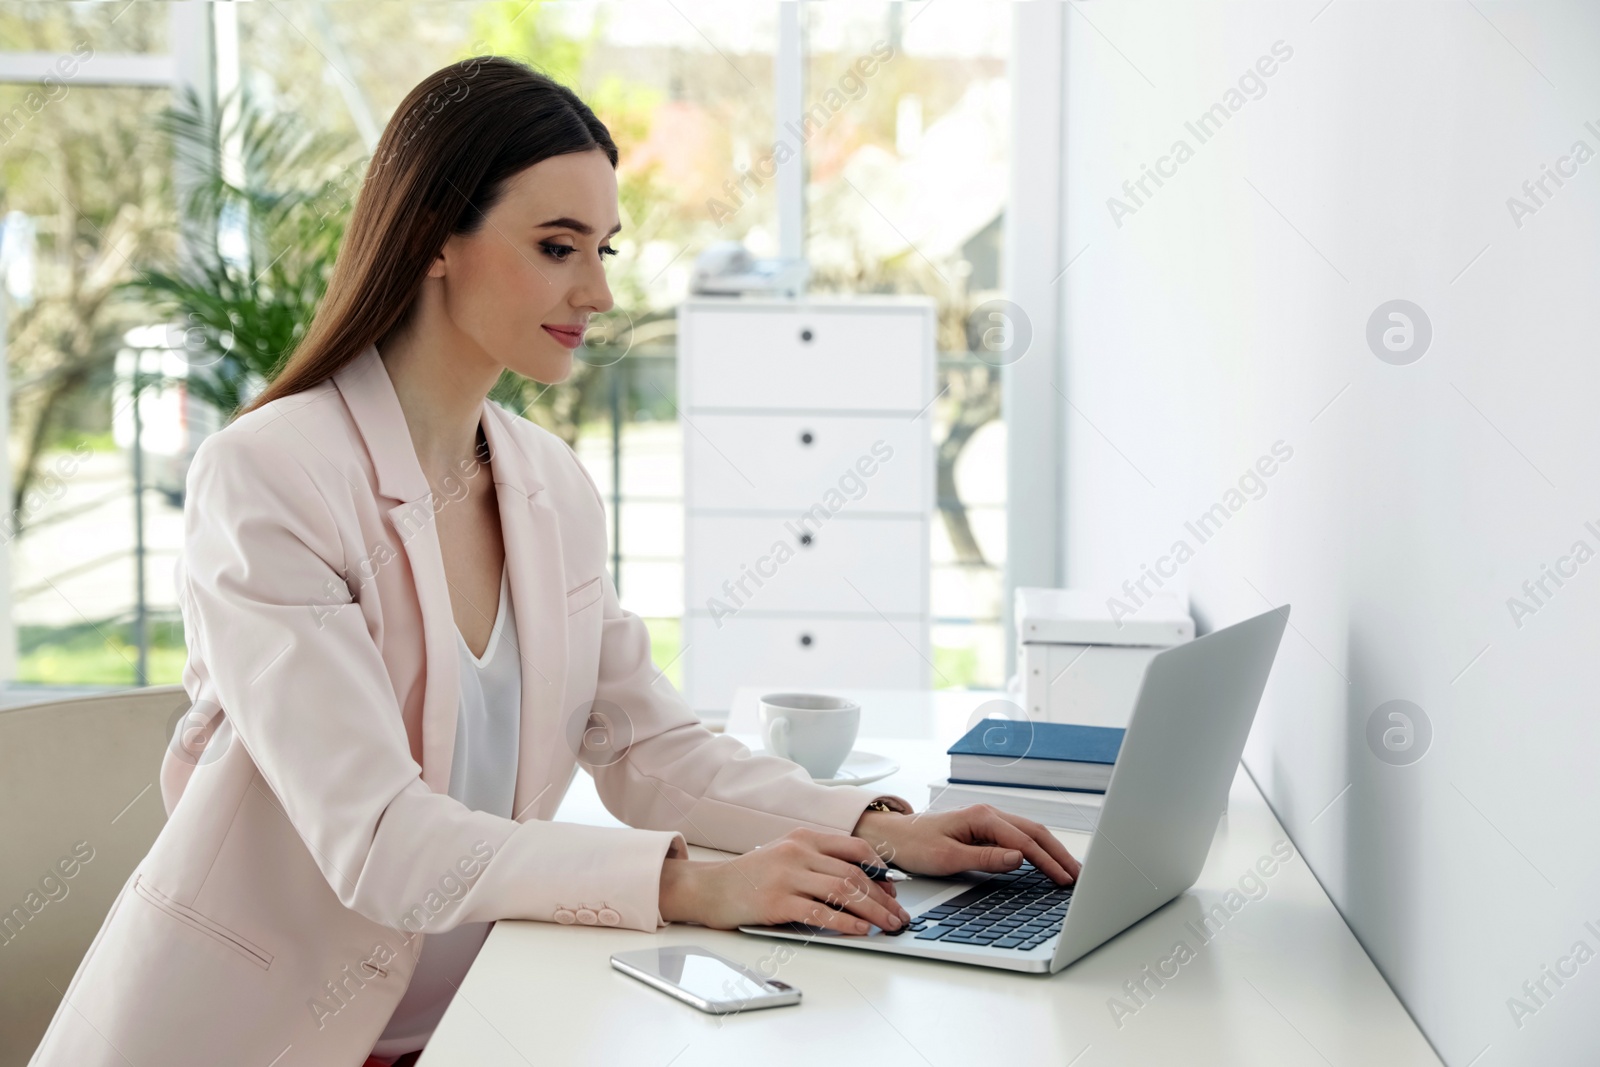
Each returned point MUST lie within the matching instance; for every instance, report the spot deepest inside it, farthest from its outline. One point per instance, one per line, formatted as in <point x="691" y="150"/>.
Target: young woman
<point x="403" y="642"/>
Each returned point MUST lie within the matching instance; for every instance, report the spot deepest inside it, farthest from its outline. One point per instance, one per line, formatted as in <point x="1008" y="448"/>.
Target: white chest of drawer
<point x="808" y="490"/>
<point x="820" y="358"/>
<point x="801" y="567"/>
<point x="798" y="652"/>
<point x="790" y="461"/>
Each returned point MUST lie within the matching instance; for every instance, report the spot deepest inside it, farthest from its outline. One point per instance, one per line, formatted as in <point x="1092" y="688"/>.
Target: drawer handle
<point x="805" y="640"/>
<point x="805" y="334"/>
<point x="805" y="540"/>
<point x="806" y="437"/>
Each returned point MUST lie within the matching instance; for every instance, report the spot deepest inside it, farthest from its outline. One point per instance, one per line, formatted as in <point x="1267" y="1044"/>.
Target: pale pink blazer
<point x="311" y="845"/>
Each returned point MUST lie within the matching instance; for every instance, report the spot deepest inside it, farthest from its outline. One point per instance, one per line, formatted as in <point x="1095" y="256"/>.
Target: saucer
<point x="859" y="768"/>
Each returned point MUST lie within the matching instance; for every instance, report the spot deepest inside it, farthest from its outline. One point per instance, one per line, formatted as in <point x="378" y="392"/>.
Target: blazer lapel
<point x="375" y="407"/>
<point x="537" y="572"/>
<point x="531" y="531"/>
<point x="441" y="698"/>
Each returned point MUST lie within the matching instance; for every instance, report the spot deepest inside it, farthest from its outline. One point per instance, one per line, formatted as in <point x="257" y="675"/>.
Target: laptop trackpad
<point x="921" y="893"/>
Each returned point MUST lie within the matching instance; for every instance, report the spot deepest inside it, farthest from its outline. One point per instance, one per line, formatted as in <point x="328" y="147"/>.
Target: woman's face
<point x="525" y="284"/>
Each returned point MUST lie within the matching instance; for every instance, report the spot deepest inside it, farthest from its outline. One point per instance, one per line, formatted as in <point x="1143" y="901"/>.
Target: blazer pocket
<point x="584" y="595"/>
<point x="194" y="920"/>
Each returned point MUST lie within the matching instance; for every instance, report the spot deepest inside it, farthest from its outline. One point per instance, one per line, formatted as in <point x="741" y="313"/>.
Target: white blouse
<point x="483" y="776"/>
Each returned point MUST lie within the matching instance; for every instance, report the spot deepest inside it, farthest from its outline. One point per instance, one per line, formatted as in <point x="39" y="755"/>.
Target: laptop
<point x="1166" y="796"/>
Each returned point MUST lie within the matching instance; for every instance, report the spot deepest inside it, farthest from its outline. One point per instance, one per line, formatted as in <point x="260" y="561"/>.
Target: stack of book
<point x="1053" y="773"/>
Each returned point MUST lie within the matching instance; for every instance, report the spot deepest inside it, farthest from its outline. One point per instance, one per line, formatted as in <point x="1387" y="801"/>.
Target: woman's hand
<point x="803" y="876"/>
<point x="977" y="838"/>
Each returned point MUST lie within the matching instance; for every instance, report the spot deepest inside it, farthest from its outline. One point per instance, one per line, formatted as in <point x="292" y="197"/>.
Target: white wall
<point x="1229" y="312"/>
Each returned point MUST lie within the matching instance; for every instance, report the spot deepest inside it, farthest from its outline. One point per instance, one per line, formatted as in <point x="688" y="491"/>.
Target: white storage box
<point x="1079" y="663"/>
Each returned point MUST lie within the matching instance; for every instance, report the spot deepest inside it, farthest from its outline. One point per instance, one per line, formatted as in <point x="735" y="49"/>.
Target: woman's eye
<point x="560" y="252"/>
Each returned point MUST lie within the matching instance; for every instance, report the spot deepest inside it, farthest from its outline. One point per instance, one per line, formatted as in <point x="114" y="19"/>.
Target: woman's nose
<point x="595" y="293"/>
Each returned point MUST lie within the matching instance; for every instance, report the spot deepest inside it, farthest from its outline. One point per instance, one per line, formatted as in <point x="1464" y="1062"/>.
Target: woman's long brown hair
<point x="441" y="164"/>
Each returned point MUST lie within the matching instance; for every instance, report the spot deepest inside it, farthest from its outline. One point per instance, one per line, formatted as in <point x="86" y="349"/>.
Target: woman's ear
<point x="436" y="269"/>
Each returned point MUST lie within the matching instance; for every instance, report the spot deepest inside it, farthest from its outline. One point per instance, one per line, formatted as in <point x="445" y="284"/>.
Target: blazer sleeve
<point x="301" y="681"/>
<point x="663" y="770"/>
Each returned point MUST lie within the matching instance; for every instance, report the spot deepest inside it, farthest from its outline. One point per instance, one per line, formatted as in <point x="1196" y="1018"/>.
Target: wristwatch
<point x="886" y="804"/>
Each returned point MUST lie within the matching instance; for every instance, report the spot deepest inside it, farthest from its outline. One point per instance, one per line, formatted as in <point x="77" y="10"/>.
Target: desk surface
<point x="1281" y="982"/>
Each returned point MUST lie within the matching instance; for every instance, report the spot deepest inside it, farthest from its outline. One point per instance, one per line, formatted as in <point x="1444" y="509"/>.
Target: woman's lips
<point x="570" y="336"/>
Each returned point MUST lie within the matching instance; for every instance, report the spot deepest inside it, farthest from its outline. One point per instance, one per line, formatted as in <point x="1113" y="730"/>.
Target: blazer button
<point x="609" y="916"/>
<point x="587" y="916"/>
<point x="564" y="915"/>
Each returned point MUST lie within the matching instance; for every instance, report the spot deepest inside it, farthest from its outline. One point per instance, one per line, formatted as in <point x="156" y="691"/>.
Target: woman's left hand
<point x="977" y="838"/>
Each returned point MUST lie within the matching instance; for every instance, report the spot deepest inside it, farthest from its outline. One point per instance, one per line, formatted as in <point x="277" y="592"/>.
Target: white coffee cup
<point x="813" y="730"/>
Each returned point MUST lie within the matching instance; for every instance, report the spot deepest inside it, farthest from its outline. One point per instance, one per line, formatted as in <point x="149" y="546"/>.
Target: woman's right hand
<point x="803" y="876"/>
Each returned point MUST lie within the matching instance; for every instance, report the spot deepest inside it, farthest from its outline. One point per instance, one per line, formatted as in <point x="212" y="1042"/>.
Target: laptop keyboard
<point x="1019" y="910"/>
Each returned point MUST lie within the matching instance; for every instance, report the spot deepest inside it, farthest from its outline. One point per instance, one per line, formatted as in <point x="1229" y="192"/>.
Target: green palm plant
<point x="260" y="235"/>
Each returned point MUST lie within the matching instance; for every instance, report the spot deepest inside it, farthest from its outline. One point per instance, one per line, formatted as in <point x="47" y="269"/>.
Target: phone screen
<point x="703" y="975"/>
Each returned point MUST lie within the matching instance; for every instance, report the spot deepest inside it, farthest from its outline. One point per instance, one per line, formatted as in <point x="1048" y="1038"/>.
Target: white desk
<point x="1282" y="983"/>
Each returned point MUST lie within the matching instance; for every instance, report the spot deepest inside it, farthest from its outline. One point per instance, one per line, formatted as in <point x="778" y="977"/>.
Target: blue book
<point x="1037" y="755"/>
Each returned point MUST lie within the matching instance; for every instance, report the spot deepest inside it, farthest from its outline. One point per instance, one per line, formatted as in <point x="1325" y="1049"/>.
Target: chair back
<point x="80" y="805"/>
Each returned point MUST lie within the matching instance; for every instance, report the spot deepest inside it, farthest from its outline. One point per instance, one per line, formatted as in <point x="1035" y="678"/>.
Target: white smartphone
<point x="700" y="977"/>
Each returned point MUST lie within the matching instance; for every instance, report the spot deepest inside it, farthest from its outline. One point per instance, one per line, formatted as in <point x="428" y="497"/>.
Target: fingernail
<point x="1013" y="856"/>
